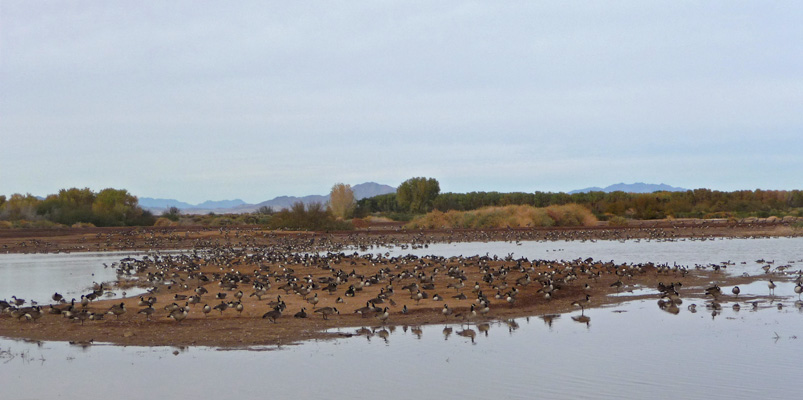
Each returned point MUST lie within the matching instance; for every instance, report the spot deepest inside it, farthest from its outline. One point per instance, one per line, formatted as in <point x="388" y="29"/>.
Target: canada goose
<point x="221" y="295"/>
<point x="798" y="290"/>
<point x="404" y="309"/>
<point x="772" y="286"/>
<point x="259" y="293"/>
<point x="179" y="297"/>
<point x="276" y="303"/>
<point x="18" y="302"/>
<point x="460" y="296"/>
<point x="239" y="308"/>
<point x="582" y="303"/>
<point x="117" y="310"/>
<point x="314" y="300"/>
<point x="272" y="315"/>
<point x="195" y="299"/>
<point x="340" y="300"/>
<point x="179" y="315"/>
<point x="148" y="311"/>
<point x="84" y="301"/>
<point x="446" y="311"/>
<point x="384" y="315"/>
<point x="57" y="297"/>
<point x="326" y="311"/>
<point x="437" y="297"/>
<point x="33" y="314"/>
<point x="221" y="307"/>
<point x="736" y="291"/>
<point x="82" y="316"/>
<point x="511" y="299"/>
<point x="200" y="291"/>
<point x="363" y="311"/>
<point x="206" y="310"/>
<point x="301" y="314"/>
<point x="618" y="284"/>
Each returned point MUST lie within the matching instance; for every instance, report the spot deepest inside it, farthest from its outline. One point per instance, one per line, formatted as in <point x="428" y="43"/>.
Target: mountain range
<point x="157" y="206"/>
<point x="637" y="187"/>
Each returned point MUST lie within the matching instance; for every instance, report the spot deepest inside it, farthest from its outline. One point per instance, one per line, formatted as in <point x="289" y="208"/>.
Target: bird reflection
<point x="484" y="328"/>
<point x="447" y="331"/>
<point x="469" y="333"/>
<point x="583" y="319"/>
<point x="383" y="333"/>
<point x="417" y="331"/>
<point x="549" y="318"/>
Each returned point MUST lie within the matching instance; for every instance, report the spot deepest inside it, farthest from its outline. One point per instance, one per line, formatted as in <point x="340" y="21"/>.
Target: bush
<point x="514" y="216"/>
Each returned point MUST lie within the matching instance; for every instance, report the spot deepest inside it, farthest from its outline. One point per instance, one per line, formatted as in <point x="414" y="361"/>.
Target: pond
<point x="629" y="350"/>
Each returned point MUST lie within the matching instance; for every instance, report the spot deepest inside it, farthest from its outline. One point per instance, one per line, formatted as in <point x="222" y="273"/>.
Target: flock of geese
<point x="294" y="273"/>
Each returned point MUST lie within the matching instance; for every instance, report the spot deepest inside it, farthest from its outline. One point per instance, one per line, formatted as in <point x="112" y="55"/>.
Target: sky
<point x="195" y="100"/>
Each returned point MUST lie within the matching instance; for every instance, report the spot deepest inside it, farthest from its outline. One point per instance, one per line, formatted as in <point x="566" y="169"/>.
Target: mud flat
<point x="345" y="281"/>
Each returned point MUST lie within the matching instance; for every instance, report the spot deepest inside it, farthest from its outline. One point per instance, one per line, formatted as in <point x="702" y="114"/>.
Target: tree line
<point x="698" y="203"/>
<point x="108" y="207"/>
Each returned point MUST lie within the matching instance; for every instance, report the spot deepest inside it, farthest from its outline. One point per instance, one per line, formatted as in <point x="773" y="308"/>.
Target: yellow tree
<point x="341" y="200"/>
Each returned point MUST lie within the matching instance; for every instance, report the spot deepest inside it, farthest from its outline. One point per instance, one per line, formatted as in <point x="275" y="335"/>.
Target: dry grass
<point x="520" y="216"/>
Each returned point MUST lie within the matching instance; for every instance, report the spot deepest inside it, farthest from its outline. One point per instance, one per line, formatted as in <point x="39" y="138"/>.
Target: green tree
<point x="418" y="194"/>
<point x="115" y="207"/>
<point x="19" y="207"/>
<point x="341" y="200"/>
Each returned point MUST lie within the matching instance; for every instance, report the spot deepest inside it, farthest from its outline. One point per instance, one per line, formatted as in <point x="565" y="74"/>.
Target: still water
<point x="630" y="350"/>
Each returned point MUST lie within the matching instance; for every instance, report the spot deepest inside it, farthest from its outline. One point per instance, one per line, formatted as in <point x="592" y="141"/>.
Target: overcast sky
<point x="220" y="100"/>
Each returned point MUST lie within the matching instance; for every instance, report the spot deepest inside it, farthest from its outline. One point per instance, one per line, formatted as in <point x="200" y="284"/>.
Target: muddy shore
<point x="382" y="280"/>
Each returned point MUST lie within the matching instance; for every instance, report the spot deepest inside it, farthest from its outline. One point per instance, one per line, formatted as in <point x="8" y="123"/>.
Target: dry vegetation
<point x="521" y="216"/>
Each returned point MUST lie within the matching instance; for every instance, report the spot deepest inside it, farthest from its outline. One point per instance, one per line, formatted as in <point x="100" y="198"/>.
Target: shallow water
<point x="37" y="276"/>
<point x="631" y="350"/>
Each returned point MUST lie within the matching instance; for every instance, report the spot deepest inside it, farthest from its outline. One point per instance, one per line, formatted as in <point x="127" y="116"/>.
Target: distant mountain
<point x="221" y="204"/>
<point x="157" y="206"/>
<point x="371" y="189"/>
<point x="151" y="203"/>
<point x="637" y="187"/>
<point x="361" y="191"/>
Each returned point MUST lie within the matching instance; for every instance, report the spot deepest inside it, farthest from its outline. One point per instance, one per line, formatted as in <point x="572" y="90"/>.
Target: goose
<point x="117" y="310"/>
<point x="798" y="290"/>
<point x="314" y="300"/>
<point x="18" y="302"/>
<point x="221" y="307"/>
<point x="194" y="299"/>
<point x="179" y="315"/>
<point x="179" y="297"/>
<point x="736" y="291"/>
<point x="272" y="315"/>
<point x="148" y="311"/>
<point x="206" y="310"/>
<point x="57" y="297"/>
<point x="446" y="311"/>
<point x="582" y="303"/>
<point x="772" y="286"/>
<point x="326" y="311"/>
<point x="301" y="314"/>
<point x="239" y="308"/>
<point x="363" y="311"/>
<point x="384" y="315"/>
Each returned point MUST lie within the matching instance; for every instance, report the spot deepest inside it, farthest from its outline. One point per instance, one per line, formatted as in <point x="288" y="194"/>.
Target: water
<point x="37" y="276"/>
<point x="631" y="350"/>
